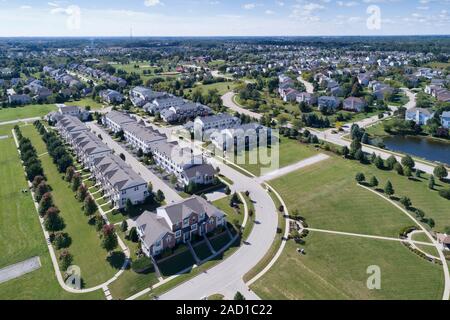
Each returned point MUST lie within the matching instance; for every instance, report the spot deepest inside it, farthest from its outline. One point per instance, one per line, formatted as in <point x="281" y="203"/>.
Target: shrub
<point x="445" y="193"/>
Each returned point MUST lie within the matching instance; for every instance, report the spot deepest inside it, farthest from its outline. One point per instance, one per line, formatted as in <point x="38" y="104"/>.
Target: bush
<point x="62" y="240"/>
<point x="141" y="265"/>
<point x="445" y="193"/>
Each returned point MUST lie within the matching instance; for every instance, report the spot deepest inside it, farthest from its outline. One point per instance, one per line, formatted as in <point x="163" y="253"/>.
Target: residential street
<point x="146" y="174"/>
<point x="226" y="277"/>
<point x="228" y="102"/>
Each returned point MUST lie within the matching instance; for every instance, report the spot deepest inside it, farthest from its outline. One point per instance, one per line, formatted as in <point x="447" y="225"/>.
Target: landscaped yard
<point x="335" y="267"/>
<point x="233" y="214"/>
<point x="290" y="151"/>
<point x="326" y="194"/>
<point x="221" y="87"/>
<point x="219" y="241"/>
<point x="177" y="263"/>
<point x="83" y="103"/>
<point x="29" y="111"/>
<point x="202" y="251"/>
<point x="86" y="244"/>
<point x="21" y="236"/>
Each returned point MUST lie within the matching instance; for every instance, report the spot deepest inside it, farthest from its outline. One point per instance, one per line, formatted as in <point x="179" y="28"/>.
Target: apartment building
<point x="177" y="223"/>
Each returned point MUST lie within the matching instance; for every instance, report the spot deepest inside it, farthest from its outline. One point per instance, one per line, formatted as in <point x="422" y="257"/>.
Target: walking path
<point x="294" y="167"/>
<point x="19" y="269"/>
<point x="446" y="294"/>
<point x="20" y="120"/>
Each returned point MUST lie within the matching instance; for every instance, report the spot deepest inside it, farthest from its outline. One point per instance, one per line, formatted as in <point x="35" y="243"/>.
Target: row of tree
<point x="47" y="209"/>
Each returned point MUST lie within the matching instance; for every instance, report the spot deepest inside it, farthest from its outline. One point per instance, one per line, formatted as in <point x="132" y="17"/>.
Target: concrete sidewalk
<point x="19" y="269"/>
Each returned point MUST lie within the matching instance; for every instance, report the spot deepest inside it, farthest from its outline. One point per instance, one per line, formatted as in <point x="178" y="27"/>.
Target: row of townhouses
<point x="177" y="223"/>
<point x="170" y="156"/>
<point x="171" y="108"/>
<point x="119" y="182"/>
<point x="421" y="116"/>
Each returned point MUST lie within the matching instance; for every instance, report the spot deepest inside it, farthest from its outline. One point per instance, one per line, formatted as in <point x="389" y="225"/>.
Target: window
<point x="186" y="222"/>
<point x="178" y="234"/>
<point x="194" y="227"/>
<point x="124" y="192"/>
<point x="158" y="243"/>
<point x="202" y="216"/>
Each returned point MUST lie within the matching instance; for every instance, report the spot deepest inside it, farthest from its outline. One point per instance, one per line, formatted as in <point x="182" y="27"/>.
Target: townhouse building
<point x="445" y="119"/>
<point x="177" y="223"/>
<point x="419" y="115"/>
<point x="115" y="120"/>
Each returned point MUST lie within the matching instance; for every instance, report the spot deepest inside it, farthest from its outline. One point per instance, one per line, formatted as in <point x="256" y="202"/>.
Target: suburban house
<point x="444" y="241"/>
<point x="184" y="112"/>
<point x="418" y="115"/>
<point x="119" y="182"/>
<point x="354" y="104"/>
<point x="139" y="96"/>
<point x="306" y="97"/>
<point x="64" y="110"/>
<point x="244" y="137"/>
<point x="111" y="96"/>
<point x="177" y="223"/>
<point x="445" y="119"/>
<point x="163" y="103"/>
<point x="170" y="156"/>
<point x="289" y="94"/>
<point x="19" y="99"/>
<point x="216" y="122"/>
<point x="328" y="103"/>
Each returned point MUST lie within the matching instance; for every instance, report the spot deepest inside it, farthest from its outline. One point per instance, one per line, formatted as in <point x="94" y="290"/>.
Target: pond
<point x="421" y="147"/>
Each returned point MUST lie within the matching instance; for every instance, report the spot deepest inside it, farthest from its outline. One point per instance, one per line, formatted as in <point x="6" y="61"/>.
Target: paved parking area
<point x="19" y="269"/>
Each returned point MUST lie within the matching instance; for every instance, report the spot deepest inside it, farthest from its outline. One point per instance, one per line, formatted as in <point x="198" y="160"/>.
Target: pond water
<point x="421" y="147"/>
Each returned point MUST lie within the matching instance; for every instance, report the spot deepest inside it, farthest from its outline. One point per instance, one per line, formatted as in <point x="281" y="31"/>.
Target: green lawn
<point x="176" y="264"/>
<point x="86" y="102"/>
<point x="21" y="236"/>
<point x="220" y="241"/>
<point x="221" y="87"/>
<point x="233" y="214"/>
<point x="335" y="266"/>
<point x="422" y="237"/>
<point x="326" y="194"/>
<point x="29" y="111"/>
<point x="202" y="251"/>
<point x="86" y="244"/>
<point x="287" y="152"/>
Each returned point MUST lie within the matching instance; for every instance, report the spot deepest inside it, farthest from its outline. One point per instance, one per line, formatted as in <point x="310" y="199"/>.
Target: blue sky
<point x="223" y="17"/>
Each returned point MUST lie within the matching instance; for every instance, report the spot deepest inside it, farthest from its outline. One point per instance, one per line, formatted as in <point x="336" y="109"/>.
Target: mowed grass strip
<point x="287" y="152"/>
<point x="24" y="112"/>
<point x="21" y="236"/>
<point x="86" y="244"/>
<point x="327" y="195"/>
<point x="335" y="267"/>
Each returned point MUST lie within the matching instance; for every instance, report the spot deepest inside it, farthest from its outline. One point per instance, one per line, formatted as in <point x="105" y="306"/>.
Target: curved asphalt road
<point x="226" y="277"/>
<point x="228" y="102"/>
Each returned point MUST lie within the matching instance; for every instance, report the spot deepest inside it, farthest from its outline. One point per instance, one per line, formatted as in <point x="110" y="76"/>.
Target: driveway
<point x="308" y="85"/>
<point x="228" y="102"/>
<point x="171" y="195"/>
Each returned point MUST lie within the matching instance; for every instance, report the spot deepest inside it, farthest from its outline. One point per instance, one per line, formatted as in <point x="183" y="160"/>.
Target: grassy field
<point x="233" y="214"/>
<point x="328" y="197"/>
<point x="289" y="152"/>
<point x="221" y="87"/>
<point x="29" y="111"/>
<point x="21" y="236"/>
<point x="86" y="102"/>
<point x="86" y="244"/>
<point x="335" y="266"/>
<point x="427" y="249"/>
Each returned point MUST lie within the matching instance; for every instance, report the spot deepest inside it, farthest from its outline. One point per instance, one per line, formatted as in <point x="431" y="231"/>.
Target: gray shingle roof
<point x="153" y="227"/>
<point x="179" y="211"/>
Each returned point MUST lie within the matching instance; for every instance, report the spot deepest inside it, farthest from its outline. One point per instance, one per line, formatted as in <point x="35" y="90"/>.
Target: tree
<point x="234" y="200"/>
<point x="45" y="203"/>
<point x="373" y="182"/>
<point x="445" y="193"/>
<point x="128" y="206"/>
<point x="133" y="235"/>
<point x="408" y="162"/>
<point x="64" y="162"/>
<point x="173" y="179"/>
<point x="431" y="183"/>
<point x="34" y="170"/>
<point x="227" y="191"/>
<point x="52" y="221"/>
<point x="70" y="173"/>
<point x="440" y="172"/>
<point x="90" y="207"/>
<point x="390" y="162"/>
<point x="160" y="197"/>
<point x="82" y="193"/>
<point x="109" y="241"/>
<point x="150" y="188"/>
<point x="407" y="172"/>
<point x="76" y="182"/>
<point x="406" y="202"/>
<point x="419" y="173"/>
<point x="295" y="214"/>
<point x="139" y="153"/>
<point x="389" y="189"/>
<point x="360" y="177"/>
<point x="61" y="240"/>
<point x="124" y="226"/>
<point x="295" y="235"/>
<point x="40" y="190"/>
<point x="99" y="222"/>
<point x="398" y="167"/>
<point x="37" y="181"/>
<point x="365" y="138"/>
<point x="239" y="296"/>
<point x="379" y="163"/>
<point x="66" y="259"/>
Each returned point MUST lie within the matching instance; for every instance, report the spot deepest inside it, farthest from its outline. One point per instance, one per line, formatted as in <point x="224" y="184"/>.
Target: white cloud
<point x="249" y="6"/>
<point x="152" y="3"/>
